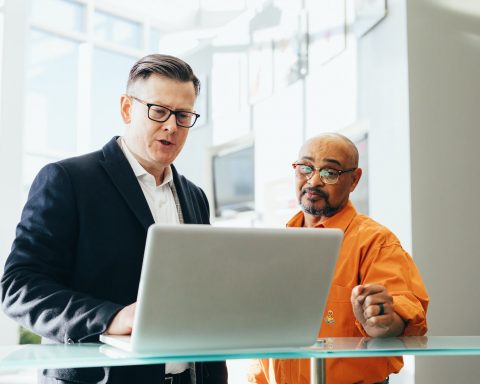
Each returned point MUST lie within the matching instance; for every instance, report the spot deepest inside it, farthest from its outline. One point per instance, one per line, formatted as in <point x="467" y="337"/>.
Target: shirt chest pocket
<point x="338" y="319"/>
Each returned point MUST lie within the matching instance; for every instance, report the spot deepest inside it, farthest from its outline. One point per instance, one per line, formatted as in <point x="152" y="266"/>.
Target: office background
<point x="404" y="83"/>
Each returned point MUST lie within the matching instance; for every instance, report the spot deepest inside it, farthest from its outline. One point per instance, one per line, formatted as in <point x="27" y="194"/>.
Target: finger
<point x="358" y="311"/>
<point x="376" y="310"/>
<point x="358" y="295"/>
<point x="371" y="289"/>
<point x="381" y="309"/>
<point x="376" y="299"/>
<point x="372" y="294"/>
<point x="357" y="303"/>
<point x="356" y="291"/>
<point x="379" y="321"/>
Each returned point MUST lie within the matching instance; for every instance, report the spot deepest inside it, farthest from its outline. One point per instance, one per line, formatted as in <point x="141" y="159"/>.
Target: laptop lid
<point x="205" y="289"/>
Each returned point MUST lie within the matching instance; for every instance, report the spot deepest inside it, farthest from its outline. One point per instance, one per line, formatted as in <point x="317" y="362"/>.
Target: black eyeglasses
<point x="161" y="114"/>
<point x="328" y="175"/>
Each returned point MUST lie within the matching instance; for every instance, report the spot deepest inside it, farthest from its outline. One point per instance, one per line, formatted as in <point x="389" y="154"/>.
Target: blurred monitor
<point x="233" y="180"/>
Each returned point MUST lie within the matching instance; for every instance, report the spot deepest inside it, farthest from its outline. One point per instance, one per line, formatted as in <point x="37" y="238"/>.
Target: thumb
<point x="357" y="291"/>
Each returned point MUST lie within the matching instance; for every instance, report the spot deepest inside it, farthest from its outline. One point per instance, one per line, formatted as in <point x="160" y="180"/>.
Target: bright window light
<point x="222" y="5"/>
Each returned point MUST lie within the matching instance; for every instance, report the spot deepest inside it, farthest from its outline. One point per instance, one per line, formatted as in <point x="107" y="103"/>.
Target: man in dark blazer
<point x="74" y="268"/>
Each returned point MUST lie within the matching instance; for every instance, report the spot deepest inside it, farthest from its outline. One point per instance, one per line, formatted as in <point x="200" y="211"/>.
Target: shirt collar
<point x="340" y="220"/>
<point x="138" y="170"/>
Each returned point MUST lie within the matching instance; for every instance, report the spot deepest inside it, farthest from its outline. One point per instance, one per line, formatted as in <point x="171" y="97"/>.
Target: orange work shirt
<point x="370" y="254"/>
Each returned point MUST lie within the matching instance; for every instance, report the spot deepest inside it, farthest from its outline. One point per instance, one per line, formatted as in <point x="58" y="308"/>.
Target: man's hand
<point x="373" y="308"/>
<point x="122" y="323"/>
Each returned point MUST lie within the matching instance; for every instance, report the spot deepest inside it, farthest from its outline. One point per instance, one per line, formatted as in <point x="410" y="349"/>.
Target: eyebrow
<point x="186" y="109"/>
<point x="327" y="160"/>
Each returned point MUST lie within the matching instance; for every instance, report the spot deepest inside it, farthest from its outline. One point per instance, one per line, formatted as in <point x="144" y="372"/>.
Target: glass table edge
<point x="96" y="354"/>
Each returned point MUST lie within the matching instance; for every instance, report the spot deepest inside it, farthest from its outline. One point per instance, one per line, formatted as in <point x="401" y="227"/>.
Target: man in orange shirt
<point x="376" y="289"/>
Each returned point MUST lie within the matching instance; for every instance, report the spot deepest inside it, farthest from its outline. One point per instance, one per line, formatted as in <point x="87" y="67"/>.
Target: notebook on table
<point x="204" y="289"/>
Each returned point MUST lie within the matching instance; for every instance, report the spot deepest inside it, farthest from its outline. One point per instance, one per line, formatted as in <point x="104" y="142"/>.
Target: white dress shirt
<point x="164" y="210"/>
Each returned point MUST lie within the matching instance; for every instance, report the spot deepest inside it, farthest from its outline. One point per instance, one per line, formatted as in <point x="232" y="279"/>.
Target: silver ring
<point x="382" y="309"/>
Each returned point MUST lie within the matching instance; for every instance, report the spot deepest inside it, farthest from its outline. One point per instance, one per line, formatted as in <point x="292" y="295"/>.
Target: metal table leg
<point x="317" y="371"/>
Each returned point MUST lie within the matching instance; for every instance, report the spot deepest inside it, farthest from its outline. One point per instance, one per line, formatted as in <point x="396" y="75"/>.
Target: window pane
<point x="110" y="74"/>
<point x="51" y="109"/>
<point x="155" y="36"/>
<point x="117" y="30"/>
<point x="62" y="14"/>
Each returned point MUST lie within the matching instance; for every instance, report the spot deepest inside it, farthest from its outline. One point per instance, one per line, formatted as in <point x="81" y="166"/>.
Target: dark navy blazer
<point x="77" y="257"/>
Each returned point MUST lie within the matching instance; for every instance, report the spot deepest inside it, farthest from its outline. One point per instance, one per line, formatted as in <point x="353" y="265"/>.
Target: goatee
<point x="327" y="210"/>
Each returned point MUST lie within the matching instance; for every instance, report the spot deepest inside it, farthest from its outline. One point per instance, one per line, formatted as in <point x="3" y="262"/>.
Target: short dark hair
<point x="170" y="67"/>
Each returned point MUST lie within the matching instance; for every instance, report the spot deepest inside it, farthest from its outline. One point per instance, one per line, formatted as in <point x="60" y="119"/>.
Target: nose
<point x="315" y="179"/>
<point x="171" y="124"/>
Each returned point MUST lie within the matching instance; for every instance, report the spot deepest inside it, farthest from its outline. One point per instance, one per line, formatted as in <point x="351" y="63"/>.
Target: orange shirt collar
<point x="340" y="220"/>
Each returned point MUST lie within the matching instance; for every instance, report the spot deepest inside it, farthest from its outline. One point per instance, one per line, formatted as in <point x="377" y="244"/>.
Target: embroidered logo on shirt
<point x="329" y="319"/>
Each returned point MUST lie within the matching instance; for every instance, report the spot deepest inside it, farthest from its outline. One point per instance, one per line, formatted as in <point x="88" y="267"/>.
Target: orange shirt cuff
<point x="413" y="314"/>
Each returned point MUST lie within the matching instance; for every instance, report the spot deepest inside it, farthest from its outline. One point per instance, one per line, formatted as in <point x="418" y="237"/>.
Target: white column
<point x="444" y="86"/>
<point x="11" y="136"/>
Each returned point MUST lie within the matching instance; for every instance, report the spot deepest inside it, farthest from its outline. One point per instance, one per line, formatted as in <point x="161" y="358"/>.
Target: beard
<point x="327" y="210"/>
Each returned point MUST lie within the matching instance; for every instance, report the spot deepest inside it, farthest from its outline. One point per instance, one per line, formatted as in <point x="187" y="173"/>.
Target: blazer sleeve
<point x="35" y="284"/>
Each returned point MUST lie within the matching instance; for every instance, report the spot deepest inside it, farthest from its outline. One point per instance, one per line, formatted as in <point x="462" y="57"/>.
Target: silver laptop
<point x="204" y="289"/>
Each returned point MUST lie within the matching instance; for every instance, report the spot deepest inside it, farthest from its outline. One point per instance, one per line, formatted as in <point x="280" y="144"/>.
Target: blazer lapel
<point x="120" y="172"/>
<point x="188" y="212"/>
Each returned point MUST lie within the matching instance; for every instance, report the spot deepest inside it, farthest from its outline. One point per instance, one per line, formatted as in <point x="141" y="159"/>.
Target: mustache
<point x="318" y="191"/>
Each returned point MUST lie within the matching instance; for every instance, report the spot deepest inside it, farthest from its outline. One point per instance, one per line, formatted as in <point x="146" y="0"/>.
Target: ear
<point x="125" y="108"/>
<point x="356" y="175"/>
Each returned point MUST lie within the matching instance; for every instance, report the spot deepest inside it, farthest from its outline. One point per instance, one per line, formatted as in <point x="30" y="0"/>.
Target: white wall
<point x="444" y="74"/>
<point x="383" y="107"/>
